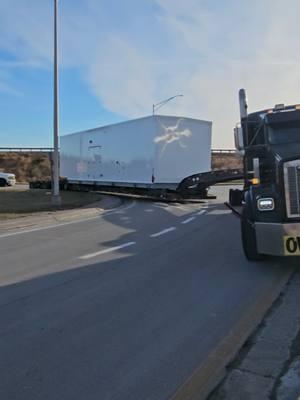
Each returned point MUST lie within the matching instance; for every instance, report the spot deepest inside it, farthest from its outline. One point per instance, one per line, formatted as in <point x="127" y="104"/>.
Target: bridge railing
<point x="50" y="149"/>
<point x="223" y="151"/>
<point x="25" y="149"/>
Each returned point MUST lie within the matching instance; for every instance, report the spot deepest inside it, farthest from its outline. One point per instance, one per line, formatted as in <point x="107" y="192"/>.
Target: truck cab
<point x="270" y="143"/>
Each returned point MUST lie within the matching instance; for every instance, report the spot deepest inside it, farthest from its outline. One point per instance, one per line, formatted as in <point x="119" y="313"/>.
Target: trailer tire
<point x="2" y="182"/>
<point x="249" y="240"/>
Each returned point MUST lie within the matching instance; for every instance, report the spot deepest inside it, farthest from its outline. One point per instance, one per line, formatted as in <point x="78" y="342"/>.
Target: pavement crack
<point x="248" y="371"/>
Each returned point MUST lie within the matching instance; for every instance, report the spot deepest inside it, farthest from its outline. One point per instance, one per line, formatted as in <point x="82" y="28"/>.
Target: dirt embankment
<point x="28" y="166"/>
<point x="226" y="160"/>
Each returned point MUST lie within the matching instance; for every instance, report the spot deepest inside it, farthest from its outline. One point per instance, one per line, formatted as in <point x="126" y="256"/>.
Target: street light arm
<point x="163" y="102"/>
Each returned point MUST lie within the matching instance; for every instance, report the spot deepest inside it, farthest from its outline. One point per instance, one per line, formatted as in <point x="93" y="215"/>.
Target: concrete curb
<point x="46" y="218"/>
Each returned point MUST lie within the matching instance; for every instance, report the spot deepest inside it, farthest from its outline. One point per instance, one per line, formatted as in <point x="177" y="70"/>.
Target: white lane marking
<point x="111" y="249"/>
<point x="163" y="232"/>
<point x="186" y="221"/>
<point x="148" y="210"/>
<point x="125" y="208"/>
<point x="182" y="208"/>
<point x="118" y="209"/>
<point x="124" y="218"/>
<point x="43" y="228"/>
<point x="219" y="212"/>
<point x="163" y="205"/>
<point x="201" y="212"/>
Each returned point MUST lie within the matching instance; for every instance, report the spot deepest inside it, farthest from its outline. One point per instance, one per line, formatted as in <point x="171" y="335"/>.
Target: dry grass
<point x="26" y="166"/>
<point x="15" y="203"/>
<point x="226" y="161"/>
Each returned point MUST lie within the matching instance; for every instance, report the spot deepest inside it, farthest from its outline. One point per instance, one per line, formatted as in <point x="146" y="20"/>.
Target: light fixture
<point x="266" y="204"/>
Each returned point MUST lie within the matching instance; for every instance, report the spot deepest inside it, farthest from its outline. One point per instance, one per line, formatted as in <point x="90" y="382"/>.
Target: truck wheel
<point x="235" y="197"/>
<point x="249" y="241"/>
<point x="2" y="182"/>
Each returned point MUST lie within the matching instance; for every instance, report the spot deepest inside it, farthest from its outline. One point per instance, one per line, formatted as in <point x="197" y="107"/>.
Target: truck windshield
<point x="284" y="132"/>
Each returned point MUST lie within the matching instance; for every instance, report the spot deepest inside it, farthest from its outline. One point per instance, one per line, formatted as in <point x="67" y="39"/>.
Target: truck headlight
<point x="265" y="204"/>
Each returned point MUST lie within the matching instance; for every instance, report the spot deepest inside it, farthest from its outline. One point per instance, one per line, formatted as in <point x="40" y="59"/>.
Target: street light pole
<point x="56" y="200"/>
<point x="162" y="103"/>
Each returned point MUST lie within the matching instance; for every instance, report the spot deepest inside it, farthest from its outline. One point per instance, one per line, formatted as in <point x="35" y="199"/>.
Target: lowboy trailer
<point x="150" y="153"/>
<point x="157" y="156"/>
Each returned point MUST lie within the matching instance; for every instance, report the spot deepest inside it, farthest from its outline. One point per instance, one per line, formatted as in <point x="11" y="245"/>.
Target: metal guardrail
<point x="25" y="149"/>
<point x="223" y="151"/>
<point x="50" y="149"/>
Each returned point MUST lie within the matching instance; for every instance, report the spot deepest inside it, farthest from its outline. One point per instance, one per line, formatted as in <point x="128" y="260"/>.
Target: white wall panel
<point x="168" y="148"/>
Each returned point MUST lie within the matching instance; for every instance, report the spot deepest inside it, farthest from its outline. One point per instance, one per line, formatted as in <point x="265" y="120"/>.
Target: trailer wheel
<point x="2" y="182"/>
<point x="249" y="240"/>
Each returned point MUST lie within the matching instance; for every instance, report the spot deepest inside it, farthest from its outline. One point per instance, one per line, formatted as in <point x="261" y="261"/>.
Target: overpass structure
<point x="50" y="149"/>
<point x="26" y="149"/>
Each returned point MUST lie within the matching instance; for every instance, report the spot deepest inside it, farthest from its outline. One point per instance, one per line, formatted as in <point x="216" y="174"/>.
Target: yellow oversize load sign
<point x="291" y="245"/>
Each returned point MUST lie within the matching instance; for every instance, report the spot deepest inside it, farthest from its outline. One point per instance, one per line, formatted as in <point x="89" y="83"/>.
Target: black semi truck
<point x="270" y="201"/>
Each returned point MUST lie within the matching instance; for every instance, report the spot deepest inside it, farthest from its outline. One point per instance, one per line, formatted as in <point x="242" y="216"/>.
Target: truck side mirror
<point x="238" y="138"/>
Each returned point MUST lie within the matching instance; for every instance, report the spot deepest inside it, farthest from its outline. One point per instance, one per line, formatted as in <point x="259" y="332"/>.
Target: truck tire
<point x="249" y="240"/>
<point x="2" y="182"/>
<point x="235" y="197"/>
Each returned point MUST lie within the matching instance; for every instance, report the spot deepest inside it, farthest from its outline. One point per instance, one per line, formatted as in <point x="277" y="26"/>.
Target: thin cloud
<point x="205" y="50"/>
<point x="20" y="64"/>
<point x="7" y="89"/>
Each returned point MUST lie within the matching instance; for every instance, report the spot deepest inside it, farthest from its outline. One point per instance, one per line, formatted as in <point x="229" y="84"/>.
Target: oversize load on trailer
<point x="155" y="150"/>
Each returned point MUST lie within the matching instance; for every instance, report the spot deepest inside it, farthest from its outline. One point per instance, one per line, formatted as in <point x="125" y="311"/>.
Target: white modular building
<point x="155" y="151"/>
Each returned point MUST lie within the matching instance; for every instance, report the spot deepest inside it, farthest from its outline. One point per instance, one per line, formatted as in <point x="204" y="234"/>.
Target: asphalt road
<point x="18" y="186"/>
<point x="123" y="306"/>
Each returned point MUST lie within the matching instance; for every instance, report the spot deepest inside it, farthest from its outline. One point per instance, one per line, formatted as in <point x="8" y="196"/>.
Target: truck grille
<point x="292" y="188"/>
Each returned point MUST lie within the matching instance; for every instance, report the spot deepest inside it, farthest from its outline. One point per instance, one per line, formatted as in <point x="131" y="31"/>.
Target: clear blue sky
<point x="117" y="57"/>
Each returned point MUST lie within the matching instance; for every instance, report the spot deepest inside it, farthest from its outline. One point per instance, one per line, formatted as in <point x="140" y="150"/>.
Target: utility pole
<point x="56" y="200"/>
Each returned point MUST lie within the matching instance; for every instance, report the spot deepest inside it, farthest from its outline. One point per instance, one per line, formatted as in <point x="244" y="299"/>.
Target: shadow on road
<point x="131" y="327"/>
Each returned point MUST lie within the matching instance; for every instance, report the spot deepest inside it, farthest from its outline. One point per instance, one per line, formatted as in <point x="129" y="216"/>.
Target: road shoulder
<point x="209" y="374"/>
<point x="268" y="366"/>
